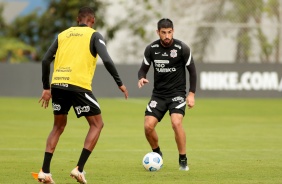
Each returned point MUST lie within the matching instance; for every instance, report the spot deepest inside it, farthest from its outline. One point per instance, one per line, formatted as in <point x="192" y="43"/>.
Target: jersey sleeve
<point x="190" y="65"/>
<point x="146" y="63"/>
<point x="98" y="46"/>
<point x="47" y="60"/>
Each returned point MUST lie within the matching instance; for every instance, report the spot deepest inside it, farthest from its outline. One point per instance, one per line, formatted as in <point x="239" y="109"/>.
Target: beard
<point x="166" y="42"/>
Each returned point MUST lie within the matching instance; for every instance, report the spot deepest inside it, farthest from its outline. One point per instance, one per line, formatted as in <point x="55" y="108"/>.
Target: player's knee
<point x="177" y="125"/>
<point x="99" y="125"/>
<point x="59" y="128"/>
<point x="148" y="128"/>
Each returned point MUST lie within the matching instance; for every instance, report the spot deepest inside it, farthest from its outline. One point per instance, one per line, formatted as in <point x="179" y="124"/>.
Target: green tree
<point x="15" y="51"/>
<point x="12" y="49"/>
<point x="40" y="29"/>
<point x="2" y="22"/>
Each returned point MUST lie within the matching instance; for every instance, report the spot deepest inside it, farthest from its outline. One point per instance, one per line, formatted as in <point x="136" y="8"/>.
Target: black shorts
<point x="158" y="106"/>
<point x="84" y="103"/>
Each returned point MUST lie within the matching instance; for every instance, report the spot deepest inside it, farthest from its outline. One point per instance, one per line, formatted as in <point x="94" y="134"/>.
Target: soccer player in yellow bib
<point x="75" y="52"/>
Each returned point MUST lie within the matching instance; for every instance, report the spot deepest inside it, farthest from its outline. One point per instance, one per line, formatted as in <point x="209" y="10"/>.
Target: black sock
<point x="46" y="162"/>
<point x="157" y="150"/>
<point x="182" y="156"/>
<point x="83" y="158"/>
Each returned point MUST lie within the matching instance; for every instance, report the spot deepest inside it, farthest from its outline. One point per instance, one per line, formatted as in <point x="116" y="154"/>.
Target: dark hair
<point x="165" y="23"/>
<point x="85" y="11"/>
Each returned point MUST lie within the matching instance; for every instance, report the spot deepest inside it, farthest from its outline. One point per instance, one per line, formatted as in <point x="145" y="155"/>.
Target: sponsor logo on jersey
<point x="165" y="70"/>
<point x="70" y="34"/>
<point x="160" y="66"/>
<point x="157" y="52"/>
<point x="165" y="54"/>
<point x="62" y="84"/>
<point x="178" y="46"/>
<point x="80" y="109"/>
<point x="61" y="78"/>
<point x="56" y="107"/>
<point x="153" y="104"/>
<point x="173" y="53"/>
<point x="156" y="45"/>
<point x="178" y="99"/>
<point x="162" y="61"/>
<point x="64" y="69"/>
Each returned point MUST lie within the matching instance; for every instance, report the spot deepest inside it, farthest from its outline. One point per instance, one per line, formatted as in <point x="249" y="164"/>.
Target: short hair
<point x="84" y="12"/>
<point x="165" y="23"/>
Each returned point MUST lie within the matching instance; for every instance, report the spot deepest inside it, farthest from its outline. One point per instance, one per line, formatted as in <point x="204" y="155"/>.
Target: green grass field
<point x="228" y="141"/>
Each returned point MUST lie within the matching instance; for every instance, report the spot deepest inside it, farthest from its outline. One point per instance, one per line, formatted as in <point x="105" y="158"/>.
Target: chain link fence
<point x="217" y="31"/>
<point x="232" y="31"/>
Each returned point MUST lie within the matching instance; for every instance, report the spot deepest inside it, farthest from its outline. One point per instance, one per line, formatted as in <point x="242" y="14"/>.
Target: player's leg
<point x="150" y="123"/>
<point x="177" y="111"/>
<point x="61" y="106"/>
<point x="180" y="139"/>
<point x="85" y="104"/>
<point x="154" y="113"/>
<point x="95" y="127"/>
<point x="52" y="140"/>
<point x="179" y="133"/>
<point x="60" y="122"/>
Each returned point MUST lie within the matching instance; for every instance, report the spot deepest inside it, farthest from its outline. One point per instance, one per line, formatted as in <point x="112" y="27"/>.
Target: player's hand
<point x="142" y="82"/>
<point x="45" y="97"/>
<point x="124" y="90"/>
<point x="190" y="100"/>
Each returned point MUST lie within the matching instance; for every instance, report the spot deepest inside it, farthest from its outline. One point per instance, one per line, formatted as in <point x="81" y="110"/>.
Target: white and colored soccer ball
<point x="152" y="161"/>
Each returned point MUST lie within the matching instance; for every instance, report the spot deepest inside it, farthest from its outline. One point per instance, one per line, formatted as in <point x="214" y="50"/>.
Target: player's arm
<point x="190" y="100"/>
<point x="47" y="60"/>
<point x="192" y="77"/>
<point x="98" y="46"/>
<point x="190" y="65"/>
<point x="145" y="66"/>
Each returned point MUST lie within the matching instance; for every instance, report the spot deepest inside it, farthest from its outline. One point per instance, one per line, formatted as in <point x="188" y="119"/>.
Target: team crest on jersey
<point x="153" y="104"/>
<point x="173" y="53"/>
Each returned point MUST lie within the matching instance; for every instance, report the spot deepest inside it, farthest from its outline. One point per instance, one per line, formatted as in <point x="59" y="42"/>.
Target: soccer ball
<point x="152" y="161"/>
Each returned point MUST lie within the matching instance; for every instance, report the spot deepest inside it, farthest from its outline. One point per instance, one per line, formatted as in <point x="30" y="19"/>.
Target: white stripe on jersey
<point x="189" y="59"/>
<point x="148" y="108"/>
<point x="181" y="105"/>
<point x="92" y="100"/>
<point x="101" y="41"/>
<point x="145" y="61"/>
